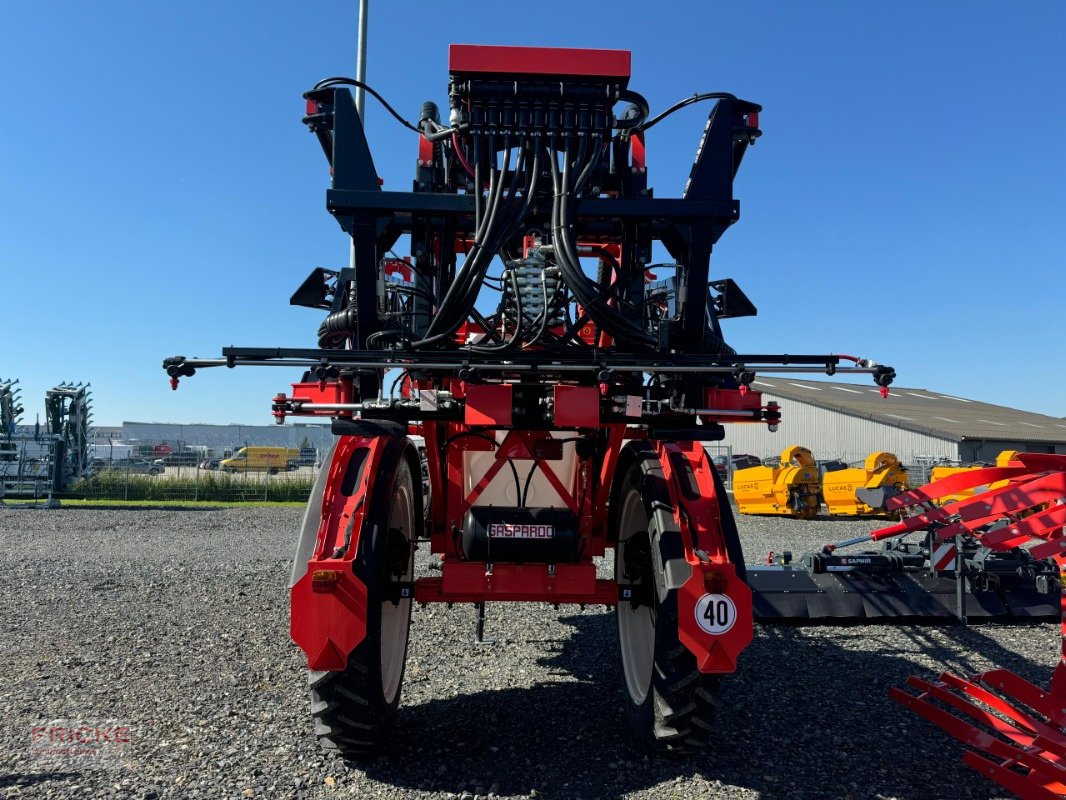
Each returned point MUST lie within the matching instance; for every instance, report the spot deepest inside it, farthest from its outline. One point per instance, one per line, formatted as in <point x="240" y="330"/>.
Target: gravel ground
<point x="177" y="622"/>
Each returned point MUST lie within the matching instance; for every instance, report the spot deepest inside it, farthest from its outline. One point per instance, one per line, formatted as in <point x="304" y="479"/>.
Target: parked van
<point x="261" y="459"/>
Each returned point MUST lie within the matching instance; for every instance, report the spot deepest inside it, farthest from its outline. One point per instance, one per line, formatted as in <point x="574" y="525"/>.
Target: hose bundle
<point x="591" y="295"/>
<point x="497" y="217"/>
<point x="502" y="199"/>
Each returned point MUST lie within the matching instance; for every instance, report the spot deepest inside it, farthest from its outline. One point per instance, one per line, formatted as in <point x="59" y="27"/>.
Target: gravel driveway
<point x="176" y="622"/>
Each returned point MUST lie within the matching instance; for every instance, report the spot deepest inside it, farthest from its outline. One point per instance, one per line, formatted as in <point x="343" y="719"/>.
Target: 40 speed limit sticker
<point x="716" y="613"/>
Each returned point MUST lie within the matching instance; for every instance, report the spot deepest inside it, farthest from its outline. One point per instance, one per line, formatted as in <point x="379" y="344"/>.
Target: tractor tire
<point x="671" y="703"/>
<point x="354" y="710"/>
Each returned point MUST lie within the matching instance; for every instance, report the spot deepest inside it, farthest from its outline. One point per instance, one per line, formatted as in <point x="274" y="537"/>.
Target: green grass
<point x="210" y="486"/>
<point x="178" y="504"/>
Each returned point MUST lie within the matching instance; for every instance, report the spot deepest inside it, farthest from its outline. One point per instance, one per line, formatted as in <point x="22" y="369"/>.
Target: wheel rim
<point x="636" y="626"/>
<point x="396" y="617"/>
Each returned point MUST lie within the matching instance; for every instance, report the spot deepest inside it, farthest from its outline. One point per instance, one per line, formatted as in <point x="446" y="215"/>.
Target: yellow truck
<point x="261" y="459"/>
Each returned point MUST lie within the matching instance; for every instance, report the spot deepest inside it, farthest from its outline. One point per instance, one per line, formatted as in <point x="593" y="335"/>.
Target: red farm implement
<point x="550" y="383"/>
<point x="1016" y="730"/>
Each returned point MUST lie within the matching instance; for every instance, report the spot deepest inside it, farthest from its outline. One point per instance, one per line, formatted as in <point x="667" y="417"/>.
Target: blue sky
<point x="158" y="194"/>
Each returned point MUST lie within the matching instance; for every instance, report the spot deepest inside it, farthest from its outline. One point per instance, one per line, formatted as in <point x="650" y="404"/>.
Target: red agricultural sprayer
<point x="559" y="383"/>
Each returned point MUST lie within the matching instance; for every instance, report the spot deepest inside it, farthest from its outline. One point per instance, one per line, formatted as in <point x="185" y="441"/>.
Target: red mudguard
<point x="329" y="603"/>
<point x="714" y="605"/>
<point x="328" y="625"/>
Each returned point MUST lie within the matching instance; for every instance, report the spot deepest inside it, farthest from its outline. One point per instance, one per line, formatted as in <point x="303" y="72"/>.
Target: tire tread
<point x="344" y="714"/>
<point x="676" y="718"/>
<point x="349" y="710"/>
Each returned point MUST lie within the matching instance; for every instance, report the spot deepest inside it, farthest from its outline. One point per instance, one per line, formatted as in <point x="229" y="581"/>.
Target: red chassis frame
<point x="329" y="601"/>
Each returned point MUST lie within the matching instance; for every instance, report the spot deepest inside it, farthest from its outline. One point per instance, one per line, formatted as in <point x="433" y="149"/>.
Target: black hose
<point x="516" y="337"/>
<point x="340" y="81"/>
<point x="529" y="480"/>
<point x="642" y="108"/>
<point x="447" y="316"/>
<point x="587" y="292"/>
<point x="496" y="225"/>
<point x="434" y="132"/>
<point x="403" y="374"/>
<point x="696" y="98"/>
<point x="474" y="266"/>
<point x="337" y="328"/>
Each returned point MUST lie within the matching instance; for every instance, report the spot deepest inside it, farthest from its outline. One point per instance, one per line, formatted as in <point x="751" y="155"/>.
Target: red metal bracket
<point x="576" y="406"/>
<point x="425" y="153"/>
<point x="489" y="404"/>
<point x="638" y="152"/>
<point x="471" y="582"/>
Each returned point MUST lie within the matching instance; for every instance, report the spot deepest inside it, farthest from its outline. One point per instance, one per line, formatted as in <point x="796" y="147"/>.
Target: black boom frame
<point x="470" y="198"/>
<point x="688" y="226"/>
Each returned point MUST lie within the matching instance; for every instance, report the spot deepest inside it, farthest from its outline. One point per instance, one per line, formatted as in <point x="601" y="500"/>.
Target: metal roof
<point x="922" y="410"/>
<point x="227" y="436"/>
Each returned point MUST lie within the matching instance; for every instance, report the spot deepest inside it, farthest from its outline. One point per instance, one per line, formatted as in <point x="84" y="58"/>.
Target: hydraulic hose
<point x="337" y="328"/>
<point x="494" y="225"/>
<point x="587" y="292"/>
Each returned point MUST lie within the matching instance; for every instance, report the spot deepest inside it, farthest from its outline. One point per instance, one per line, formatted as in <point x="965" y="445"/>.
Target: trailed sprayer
<point x="504" y="318"/>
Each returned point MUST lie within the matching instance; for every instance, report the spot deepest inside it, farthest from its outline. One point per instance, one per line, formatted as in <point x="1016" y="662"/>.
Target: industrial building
<point x="219" y="438"/>
<point x="848" y="421"/>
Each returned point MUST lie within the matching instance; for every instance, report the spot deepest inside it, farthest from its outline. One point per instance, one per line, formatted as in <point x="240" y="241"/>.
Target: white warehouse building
<point x="226" y="437"/>
<point x="848" y="421"/>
